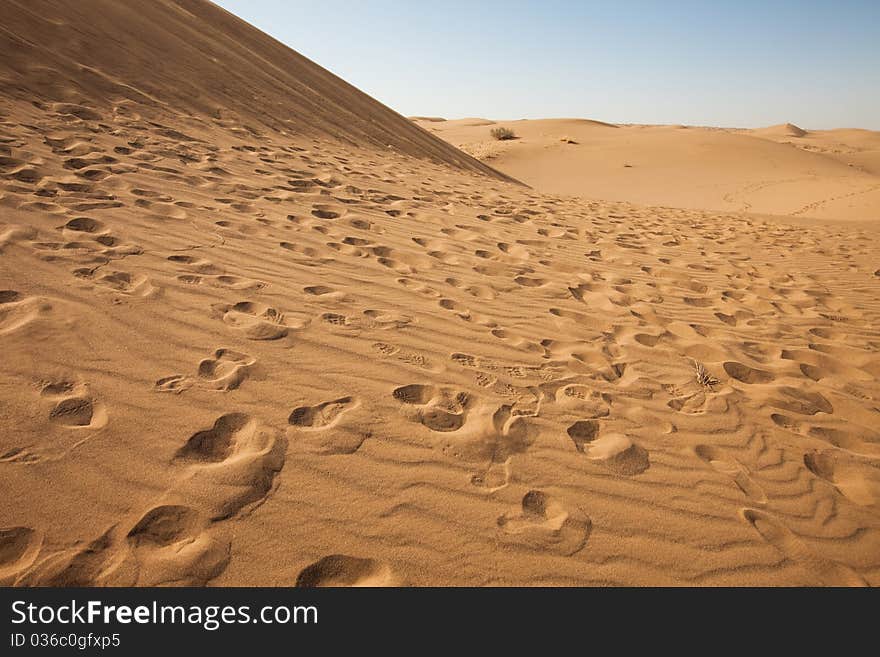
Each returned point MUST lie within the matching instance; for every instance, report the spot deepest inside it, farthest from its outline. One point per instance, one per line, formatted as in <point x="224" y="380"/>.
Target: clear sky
<point x="732" y="63"/>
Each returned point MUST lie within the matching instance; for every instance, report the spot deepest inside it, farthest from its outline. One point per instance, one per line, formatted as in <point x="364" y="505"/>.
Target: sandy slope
<point x="234" y="355"/>
<point x="833" y="174"/>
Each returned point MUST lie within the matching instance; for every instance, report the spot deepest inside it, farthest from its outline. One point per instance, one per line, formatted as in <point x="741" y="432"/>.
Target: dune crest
<point x="193" y="62"/>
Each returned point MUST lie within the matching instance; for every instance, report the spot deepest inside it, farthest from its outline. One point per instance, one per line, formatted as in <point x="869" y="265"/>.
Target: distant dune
<point x="782" y="130"/>
<point x="778" y="170"/>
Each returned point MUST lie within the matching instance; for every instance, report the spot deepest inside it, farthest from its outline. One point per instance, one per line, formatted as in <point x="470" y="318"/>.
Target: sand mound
<point x="782" y="130"/>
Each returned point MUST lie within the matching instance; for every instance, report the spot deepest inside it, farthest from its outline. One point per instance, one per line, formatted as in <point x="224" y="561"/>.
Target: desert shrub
<point x="502" y="133"/>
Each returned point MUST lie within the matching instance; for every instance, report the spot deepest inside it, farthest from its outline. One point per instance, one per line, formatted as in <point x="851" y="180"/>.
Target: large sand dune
<point x="245" y="342"/>
<point x="783" y="170"/>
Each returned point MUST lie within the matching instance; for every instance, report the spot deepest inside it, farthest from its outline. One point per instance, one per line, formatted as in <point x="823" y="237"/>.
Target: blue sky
<point x="730" y="63"/>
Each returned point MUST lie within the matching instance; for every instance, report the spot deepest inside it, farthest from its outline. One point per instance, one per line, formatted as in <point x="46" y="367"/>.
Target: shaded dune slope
<point x="190" y="56"/>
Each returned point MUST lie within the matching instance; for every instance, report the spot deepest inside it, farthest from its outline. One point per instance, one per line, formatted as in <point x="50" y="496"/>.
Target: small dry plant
<point x="502" y="133"/>
<point x="704" y="378"/>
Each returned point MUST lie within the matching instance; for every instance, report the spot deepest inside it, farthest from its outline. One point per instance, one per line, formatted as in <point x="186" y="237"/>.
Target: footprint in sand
<point x="321" y="426"/>
<point x="857" y="478"/>
<point x="492" y="440"/>
<point x="745" y="374"/>
<point x="176" y="383"/>
<point x="465" y="360"/>
<point x="801" y="401"/>
<point x="256" y="321"/>
<point x="588" y="402"/>
<point x="19" y="548"/>
<point x="323" y="415"/>
<point x="73" y="406"/>
<point x="166" y="546"/>
<point x="822" y="571"/>
<point x="412" y="358"/>
<point x="342" y="570"/>
<point x="439" y="409"/>
<point x="89" y="565"/>
<point x="328" y="212"/>
<point x="196" y="265"/>
<point x="18" y="310"/>
<point x="733" y="469"/>
<point x="232" y="465"/>
<point x="120" y="281"/>
<point x="225" y="370"/>
<point x="543" y="523"/>
<point x="84" y="225"/>
<point x="169" y="544"/>
<point x="582" y="433"/>
<point x="614" y="451"/>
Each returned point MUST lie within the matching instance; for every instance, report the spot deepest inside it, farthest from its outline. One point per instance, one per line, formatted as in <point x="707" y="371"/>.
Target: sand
<point x="258" y="329"/>
<point x="780" y="170"/>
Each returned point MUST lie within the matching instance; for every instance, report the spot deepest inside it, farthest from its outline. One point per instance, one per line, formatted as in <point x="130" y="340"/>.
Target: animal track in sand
<point x="733" y="469"/>
<point x="786" y="542"/>
<point x="541" y="522"/>
<point x="343" y="570"/>
<point x="256" y="321"/>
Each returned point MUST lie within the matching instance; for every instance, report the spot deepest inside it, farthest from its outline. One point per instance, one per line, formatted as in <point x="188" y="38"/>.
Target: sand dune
<point x="782" y="170"/>
<point x="197" y="63"/>
<point x="246" y="343"/>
